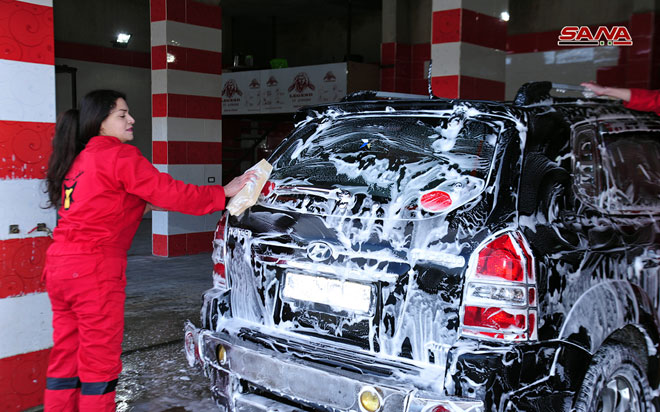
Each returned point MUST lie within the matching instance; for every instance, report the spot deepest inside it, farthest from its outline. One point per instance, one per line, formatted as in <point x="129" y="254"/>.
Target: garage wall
<point x="303" y="39"/>
<point x="533" y="53"/>
<point x="88" y="47"/>
<point x="132" y="80"/>
<point x="569" y="66"/>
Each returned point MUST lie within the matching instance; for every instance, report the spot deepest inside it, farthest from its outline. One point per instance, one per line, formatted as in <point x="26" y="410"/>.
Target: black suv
<point x="444" y="255"/>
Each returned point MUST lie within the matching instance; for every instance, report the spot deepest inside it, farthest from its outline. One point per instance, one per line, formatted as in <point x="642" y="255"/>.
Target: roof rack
<point x="537" y="92"/>
<point x="378" y="95"/>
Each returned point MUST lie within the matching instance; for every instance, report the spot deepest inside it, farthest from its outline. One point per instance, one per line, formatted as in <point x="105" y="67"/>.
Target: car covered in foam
<point x="443" y="255"/>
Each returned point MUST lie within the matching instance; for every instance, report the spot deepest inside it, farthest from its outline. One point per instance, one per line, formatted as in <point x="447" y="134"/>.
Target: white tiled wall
<point x="184" y="82"/>
<point x="27" y="319"/>
<point x="27" y="92"/>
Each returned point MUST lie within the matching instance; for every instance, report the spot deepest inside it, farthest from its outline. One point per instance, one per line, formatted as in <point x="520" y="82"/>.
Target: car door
<point x="631" y="193"/>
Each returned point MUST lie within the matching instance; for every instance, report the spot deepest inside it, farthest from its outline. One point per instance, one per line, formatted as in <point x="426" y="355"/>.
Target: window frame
<point x="591" y="132"/>
<point x="597" y="129"/>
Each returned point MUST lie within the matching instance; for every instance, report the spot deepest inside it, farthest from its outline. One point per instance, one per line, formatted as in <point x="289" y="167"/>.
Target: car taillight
<point x="500" y="291"/>
<point x="268" y="188"/>
<point x="219" y="275"/>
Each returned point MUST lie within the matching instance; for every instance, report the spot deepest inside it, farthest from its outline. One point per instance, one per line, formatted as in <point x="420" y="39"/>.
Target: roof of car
<point x="532" y="98"/>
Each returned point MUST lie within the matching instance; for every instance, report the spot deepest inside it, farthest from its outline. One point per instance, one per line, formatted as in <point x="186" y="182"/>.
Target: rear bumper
<point x="262" y="372"/>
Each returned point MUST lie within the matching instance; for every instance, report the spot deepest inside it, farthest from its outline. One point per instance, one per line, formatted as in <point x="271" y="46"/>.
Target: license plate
<point x="338" y="294"/>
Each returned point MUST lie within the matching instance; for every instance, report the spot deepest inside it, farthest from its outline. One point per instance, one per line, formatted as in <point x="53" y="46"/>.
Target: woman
<point x="635" y="99"/>
<point x="102" y="188"/>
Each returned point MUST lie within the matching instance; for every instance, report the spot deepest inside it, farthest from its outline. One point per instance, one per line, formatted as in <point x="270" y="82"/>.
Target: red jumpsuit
<point x="644" y="100"/>
<point x="103" y="199"/>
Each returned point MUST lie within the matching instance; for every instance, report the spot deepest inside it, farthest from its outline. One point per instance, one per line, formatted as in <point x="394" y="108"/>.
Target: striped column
<point x="468" y="40"/>
<point x="27" y="117"/>
<point x="186" y="64"/>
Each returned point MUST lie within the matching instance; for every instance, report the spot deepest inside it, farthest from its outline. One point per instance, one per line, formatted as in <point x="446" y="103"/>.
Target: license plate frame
<point x="336" y="294"/>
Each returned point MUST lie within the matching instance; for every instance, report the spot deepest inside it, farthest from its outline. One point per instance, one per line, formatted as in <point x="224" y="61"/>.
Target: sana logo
<point x="254" y="84"/>
<point x="329" y="77"/>
<point x="604" y="36"/>
<point x="231" y="88"/>
<point x="301" y="82"/>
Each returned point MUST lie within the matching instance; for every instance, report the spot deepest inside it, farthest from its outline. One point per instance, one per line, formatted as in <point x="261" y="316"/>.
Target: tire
<point x="615" y="382"/>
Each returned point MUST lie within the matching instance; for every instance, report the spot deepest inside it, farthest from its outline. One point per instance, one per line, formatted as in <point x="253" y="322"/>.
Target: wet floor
<point x="161" y="294"/>
<point x="158" y="379"/>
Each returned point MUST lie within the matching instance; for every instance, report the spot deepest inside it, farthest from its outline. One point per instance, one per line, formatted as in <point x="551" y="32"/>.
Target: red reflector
<point x="532" y="323"/>
<point x="435" y="201"/>
<point x="500" y="259"/>
<point x="440" y="408"/>
<point x="530" y="269"/>
<point x="219" y="268"/>
<point x="532" y="296"/>
<point x="220" y="228"/>
<point x="493" y="318"/>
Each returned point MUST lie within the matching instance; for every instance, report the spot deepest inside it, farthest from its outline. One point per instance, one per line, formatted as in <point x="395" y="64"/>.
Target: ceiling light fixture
<point x="123" y="38"/>
<point x="121" y="42"/>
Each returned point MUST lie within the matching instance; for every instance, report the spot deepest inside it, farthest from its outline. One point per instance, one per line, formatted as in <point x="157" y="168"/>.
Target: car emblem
<point x="319" y="251"/>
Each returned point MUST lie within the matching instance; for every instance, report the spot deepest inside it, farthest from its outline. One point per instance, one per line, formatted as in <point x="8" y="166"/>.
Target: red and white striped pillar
<point x="186" y="64"/>
<point x="27" y="124"/>
<point x="468" y="43"/>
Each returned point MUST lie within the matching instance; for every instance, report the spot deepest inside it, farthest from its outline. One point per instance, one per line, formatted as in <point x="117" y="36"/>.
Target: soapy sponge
<point x="250" y="193"/>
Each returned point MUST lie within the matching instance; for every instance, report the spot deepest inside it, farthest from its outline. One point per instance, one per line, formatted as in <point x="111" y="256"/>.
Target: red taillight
<point x="500" y="291"/>
<point x="495" y="318"/>
<point x="219" y="275"/>
<point x="268" y="188"/>
<point x="435" y="201"/>
<point x="500" y="259"/>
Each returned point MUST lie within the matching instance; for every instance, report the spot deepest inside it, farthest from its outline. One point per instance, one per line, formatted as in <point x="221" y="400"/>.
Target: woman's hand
<point x="237" y="183"/>
<point x="619" y="93"/>
<point x="596" y="88"/>
<point x="149" y="207"/>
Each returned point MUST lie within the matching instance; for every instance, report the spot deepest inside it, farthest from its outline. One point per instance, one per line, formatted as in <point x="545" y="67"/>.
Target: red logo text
<point x="604" y="36"/>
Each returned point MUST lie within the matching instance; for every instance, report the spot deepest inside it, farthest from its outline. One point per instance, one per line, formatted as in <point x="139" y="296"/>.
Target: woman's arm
<point x="139" y="177"/>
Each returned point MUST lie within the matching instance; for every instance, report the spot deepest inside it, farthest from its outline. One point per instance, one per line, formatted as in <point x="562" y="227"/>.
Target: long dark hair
<point x="72" y="132"/>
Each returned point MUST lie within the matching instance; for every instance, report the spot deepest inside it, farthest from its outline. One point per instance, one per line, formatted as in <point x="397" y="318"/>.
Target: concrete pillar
<point x="27" y="123"/>
<point x="468" y="49"/>
<point x="405" y="47"/>
<point x="186" y="64"/>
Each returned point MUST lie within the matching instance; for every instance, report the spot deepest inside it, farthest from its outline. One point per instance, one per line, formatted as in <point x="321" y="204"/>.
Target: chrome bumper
<point x="282" y="369"/>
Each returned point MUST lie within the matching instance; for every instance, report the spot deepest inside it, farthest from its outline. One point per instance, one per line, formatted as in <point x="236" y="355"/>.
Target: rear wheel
<point x="615" y="382"/>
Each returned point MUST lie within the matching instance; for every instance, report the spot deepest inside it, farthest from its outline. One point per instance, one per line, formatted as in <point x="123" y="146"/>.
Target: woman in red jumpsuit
<point x="636" y="99"/>
<point x="102" y="188"/>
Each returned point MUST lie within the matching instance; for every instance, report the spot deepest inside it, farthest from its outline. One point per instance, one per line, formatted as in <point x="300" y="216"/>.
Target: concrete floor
<point x="160" y="295"/>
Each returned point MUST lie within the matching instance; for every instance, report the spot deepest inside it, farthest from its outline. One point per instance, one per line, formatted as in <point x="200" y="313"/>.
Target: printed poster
<point x="283" y="90"/>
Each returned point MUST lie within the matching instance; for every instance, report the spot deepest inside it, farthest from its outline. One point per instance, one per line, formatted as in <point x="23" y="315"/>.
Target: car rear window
<point x="631" y="163"/>
<point x="389" y="154"/>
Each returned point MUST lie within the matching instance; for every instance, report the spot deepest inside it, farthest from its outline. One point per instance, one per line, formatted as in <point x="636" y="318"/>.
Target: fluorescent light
<point x="505" y="16"/>
<point x="123" y="38"/>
